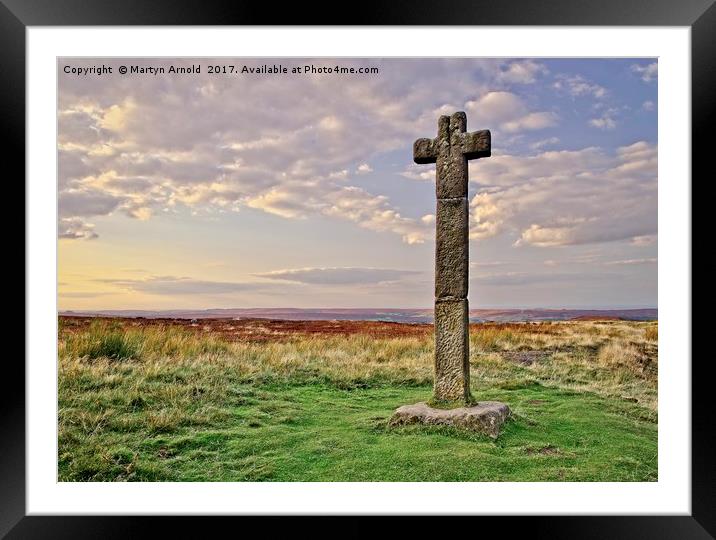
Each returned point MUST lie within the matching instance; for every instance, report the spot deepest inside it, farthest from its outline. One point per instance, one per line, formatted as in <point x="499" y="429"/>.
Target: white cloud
<point x="506" y="111"/>
<point x="646" y="240"/>
<point x="299" y="200"/>
<point x="288" y="201"/>
<point x="75" y="229"/>
<point x="590" y="257"/>
<point x="364" y="168"/>
<point x="509" y="170"/>
<point x="419" y="172"/>
<point x="648" y="72"/>
<point x="578" y="86"/>
<point x="629" y="262"/>
<point x="567" y="197"/>
<point x="531" y="121"/>
<point x="521" y="72"/>
<point x="547" y="236"/>
<point x="339" y="175"/>
<point x="606" y="120"/>
<point x="538" y="145"/>
<point x="172" y="285"/>
<point x="374" y="213"/>
<point x="648" y="105"/>
<point x="603" y="122"/>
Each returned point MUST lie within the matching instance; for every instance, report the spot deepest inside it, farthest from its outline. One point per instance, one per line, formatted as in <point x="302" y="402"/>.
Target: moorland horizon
<point x="413" y="315"/>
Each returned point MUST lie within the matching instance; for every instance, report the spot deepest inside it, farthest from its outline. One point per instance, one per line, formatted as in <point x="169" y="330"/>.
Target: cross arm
<point x="477" y="144"/>
<point x="425" y="151"/>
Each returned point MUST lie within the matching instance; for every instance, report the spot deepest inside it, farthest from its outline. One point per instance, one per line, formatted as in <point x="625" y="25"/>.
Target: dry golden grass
<point x="651" y="333"/>
<point x="608" y="358"/>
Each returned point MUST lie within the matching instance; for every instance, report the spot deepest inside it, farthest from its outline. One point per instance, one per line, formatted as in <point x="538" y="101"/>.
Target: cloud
<point x="547" y="236"/>
<point x="142" y="147"/>
<point x="419" y="172"/>
<point x="521" y="72"/>
<point x="538" y="145"/>
<point x="651" y="260"/>
<point x="299" y="200"/>
<point x="648" y="105"/>
<point x="646" y="240"/>
<point x="374" y="213"/>
<point x="288" y="201"/>
<point x="578" y="86"/>
<point x="75" y="229"/>
<point x="82" y="294"/>
<point x="171" y="285"/>
<point x="590" y="258"/>
<point x="648" y="72"/>
<point x="145" y="146"/>
<point x="606" y="121"/>
<point x="531" y="121"/>
<point x="567" y="197"/>
<point x="116" y="117"/>
<point x="338" y="276"/>
<point x="75" y="203"/>
<point x="510" y="170"/>
<point x="527" y="278"/>
<point x="488" y="264"/>
<point x="603" y="122"/>
<point x="506" y="111"/>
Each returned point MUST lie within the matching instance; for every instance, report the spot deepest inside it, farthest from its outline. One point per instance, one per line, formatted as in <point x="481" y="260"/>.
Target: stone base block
<point x="486" y="417"/>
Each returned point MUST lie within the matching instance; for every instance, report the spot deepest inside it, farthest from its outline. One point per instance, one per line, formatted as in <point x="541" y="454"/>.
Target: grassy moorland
<point x="252" y="401"/>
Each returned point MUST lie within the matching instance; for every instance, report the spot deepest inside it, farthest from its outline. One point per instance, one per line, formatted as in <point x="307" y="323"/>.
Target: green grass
<point x="188" y="408"/>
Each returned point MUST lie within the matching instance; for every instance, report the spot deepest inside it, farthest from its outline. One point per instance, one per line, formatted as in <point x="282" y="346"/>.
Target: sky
<point x="218" y="190"/>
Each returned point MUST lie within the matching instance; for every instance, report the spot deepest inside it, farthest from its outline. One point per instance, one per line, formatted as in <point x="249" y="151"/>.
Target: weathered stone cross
<point x="450" y="151"/>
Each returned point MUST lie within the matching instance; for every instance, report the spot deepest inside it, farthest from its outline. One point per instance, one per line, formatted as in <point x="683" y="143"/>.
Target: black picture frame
<point x="699" y="15"/>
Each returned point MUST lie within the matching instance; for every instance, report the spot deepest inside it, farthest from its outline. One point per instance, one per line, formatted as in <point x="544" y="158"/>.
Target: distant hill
<point x="395" y="315"/>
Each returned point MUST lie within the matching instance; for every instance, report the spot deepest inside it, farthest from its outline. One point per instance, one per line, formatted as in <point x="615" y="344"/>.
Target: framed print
<point x="424" y="262"/>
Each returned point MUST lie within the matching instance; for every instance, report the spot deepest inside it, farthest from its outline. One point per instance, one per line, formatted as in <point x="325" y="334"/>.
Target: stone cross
<point x="450" y="151"/>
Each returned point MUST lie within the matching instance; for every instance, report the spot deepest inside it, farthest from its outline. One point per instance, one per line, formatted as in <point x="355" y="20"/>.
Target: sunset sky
<point x="294" y="190"/>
